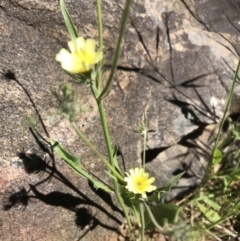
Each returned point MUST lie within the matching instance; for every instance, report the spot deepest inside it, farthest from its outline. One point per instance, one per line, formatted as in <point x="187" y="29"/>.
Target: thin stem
<point x="100" y="34"/>
<point x="124" y="19"/>
<point x="144" y="148"/>
<point x="100" y="104"/>
<point x="142" y="221"/>
<point x="152" y="218"/>
<point x="93" y="148"/>
<point x="106" y="132"/>
<point x="225" y="142"/>
<point x="207" y="172"/>
<point x="228" y="105"/>
<point x="213" y="235"/>
<point x="99" y="179"/>
<point x="111" y="158"/>
<point x="124" y="208"/>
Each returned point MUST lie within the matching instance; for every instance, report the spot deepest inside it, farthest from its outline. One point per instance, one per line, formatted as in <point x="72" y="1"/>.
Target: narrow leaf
<point x="74" y="163"/>
<point x="128" y="197"/>
<point x="115" y="162"/>
<point x="211" y="203"/>
<point x="68" y="21"/>
<point x="166" y="188"/>
<point x="71" y="160"/>
<point x="111" y="175"/>
<point x="237" y="207"/>
<point x="130" y="200"/>
<point x="163" y="213"/>
<point x="217" y="157"/>
<point x="210" y="214"/>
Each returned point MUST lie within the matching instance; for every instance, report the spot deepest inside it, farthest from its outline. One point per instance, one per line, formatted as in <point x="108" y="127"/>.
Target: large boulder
<point x="178" y="61"/>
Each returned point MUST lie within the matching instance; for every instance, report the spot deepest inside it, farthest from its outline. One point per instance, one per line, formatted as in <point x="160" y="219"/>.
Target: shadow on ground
<point x="42" y="162"/>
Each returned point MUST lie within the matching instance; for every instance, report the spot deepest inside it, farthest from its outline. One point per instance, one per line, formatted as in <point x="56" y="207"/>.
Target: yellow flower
<point x="138" y="182"/>
<point x="82" y="56"/>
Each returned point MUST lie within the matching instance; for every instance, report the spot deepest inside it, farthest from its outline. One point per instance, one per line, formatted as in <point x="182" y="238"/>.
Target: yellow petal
<point x="151" y="180"/>
<point x="80" y="43"/>
<point x="138" y="182"/>
<point x="144" y="195"/>
<point x="132" y="172"/>
<point x="99" y="56"/>
<point x="72" y="46"/>
<point x="82" y="56"/>
<point x="90" y="45"/>
<point x="62" y="55"/>
<point x="150" y="188"/>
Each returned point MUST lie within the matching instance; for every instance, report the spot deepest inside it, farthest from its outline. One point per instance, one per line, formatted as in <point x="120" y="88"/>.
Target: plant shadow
<point x="41" y="161"/>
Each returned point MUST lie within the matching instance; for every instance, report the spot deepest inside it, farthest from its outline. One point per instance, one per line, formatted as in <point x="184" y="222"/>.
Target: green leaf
<point x="237" y="207"/>
<point x="115" y="164"/>
<point x="75" y="164"/>
<point x="111" y="175"/>
<point x="210" y="214"/>
<point x="68" y="21"/>
<point x="217" y="157"/>
<point x="211" y="203"/>
<point x="209" y="209"/>
<point x="128" y="197"/>
<point x="115" y="161"/>
<point x="131" y="200"/>
<point x="163" y="213"/>
<point x="155" y="197"/>
<point x="71" y="160"/>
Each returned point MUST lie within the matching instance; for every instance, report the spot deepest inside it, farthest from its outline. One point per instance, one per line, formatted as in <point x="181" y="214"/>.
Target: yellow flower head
<point x="82" y="56"/>
<point x="138" y="182"/>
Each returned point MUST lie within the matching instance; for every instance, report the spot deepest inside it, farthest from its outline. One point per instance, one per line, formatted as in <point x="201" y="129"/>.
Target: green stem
<point x="142" y="221"/>
<point x="225" y="142"/>
<point x="106" y="131"/>
<point x="100" y="104"/>
<point x="94" y="150"/>
<point x="228" y="105"/>
<point x="209" y="167"/>
<point x="111" y="158"/>
<point x="124" y="19"/>
<point x="100" y="34"/>
<point x="152" y="218"/>
<point x="124" y="208"/>
<point x="144" y="148"/>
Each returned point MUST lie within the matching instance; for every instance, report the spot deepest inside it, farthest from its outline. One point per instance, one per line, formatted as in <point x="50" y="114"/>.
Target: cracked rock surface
<point x="178" y="61"/>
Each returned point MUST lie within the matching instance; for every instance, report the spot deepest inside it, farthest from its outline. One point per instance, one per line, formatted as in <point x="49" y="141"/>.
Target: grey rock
<point x="190" y="156"/>
<point x="177" y="55"/>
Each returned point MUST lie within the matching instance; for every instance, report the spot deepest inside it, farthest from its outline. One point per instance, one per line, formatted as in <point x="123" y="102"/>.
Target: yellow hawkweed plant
<point x="138" y="182"/>
<point x="83" y="62"/>
<point x="82" y="56"/>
